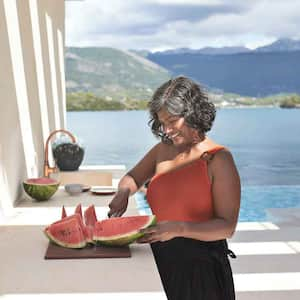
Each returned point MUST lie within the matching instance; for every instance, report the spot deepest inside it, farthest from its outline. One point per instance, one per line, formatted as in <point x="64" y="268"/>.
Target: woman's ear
<point x="196" y="136"/>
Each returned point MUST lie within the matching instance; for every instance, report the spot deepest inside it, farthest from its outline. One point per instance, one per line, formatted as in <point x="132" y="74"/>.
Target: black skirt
<point x="194" y="270"/>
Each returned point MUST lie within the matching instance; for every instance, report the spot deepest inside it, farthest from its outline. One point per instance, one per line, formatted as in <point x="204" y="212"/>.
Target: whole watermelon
<point x="40" y="189"/>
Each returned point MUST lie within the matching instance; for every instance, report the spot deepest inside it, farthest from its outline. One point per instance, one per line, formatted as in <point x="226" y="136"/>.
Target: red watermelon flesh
<point x="84" y="228"/>
<point x="63" y="213"/>
<point x="67" y="233"/>
<point x="41" y="180"/>
<point x="78" y="210"/>
<point x="76" y="217"/>
<point x="90" y="219"/>
<point x="121" y="231"/>
<point x="89" y="234"/>
<point x="63" y="219"/>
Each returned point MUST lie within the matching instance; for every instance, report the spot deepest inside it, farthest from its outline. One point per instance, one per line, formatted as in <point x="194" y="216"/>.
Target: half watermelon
<point x="40" y="189"/>
<point x="121" y="231"/>
<point x="68" y="232"/>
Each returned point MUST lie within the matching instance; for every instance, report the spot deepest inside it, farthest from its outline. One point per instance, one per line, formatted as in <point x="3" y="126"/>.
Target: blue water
<point x="256" y="200"/>
<point x="265" y="143"/>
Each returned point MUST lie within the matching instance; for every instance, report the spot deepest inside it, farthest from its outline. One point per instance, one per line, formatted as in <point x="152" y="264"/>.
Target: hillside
<point x="112" y="73"/>
<point x="253" y="74"/>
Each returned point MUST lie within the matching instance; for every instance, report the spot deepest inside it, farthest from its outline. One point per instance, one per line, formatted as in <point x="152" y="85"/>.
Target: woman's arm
<point x="132" y="181"/>
<point x="226" y="201"/>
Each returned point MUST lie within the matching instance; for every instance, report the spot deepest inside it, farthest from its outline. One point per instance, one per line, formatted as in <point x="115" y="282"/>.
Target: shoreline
<point x="217" y="107"/>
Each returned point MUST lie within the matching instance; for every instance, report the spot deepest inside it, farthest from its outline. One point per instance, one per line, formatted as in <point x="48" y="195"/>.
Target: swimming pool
<point x="255" y="202"/>
<point x="263" y="144"/>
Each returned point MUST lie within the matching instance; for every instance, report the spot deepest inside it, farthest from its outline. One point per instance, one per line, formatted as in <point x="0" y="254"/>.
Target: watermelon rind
<point x="66" y="245"/>
<point x="40" y="191"/>
<point x="124" y="239"/>
<point x="89" y="234"/>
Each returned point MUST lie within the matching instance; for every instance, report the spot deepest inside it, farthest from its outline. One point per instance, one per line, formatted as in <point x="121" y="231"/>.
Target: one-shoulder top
<point x="184" y="193"/>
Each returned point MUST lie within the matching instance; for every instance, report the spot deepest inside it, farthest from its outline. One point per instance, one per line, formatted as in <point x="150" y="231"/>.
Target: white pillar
<point x="31" y="87"/>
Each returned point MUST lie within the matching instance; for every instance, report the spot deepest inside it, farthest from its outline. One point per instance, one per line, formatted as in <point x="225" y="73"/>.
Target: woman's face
<point x="176" y="128"/>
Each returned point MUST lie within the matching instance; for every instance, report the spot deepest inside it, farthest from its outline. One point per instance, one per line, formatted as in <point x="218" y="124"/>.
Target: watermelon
<point x="71" y="232"/>
<point x="78" y="210"/>
<point x="67" y="232"/>
<point x="75" y="216"/>
<point x="121" y="231"/>
<point x="63" y="213"/>
<point x="90" y="217"/>
<point x="40" y="189"/>
<point x="90" y="220"/>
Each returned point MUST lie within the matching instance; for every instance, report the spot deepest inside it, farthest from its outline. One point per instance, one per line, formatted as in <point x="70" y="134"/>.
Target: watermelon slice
<point x="78" y="210"/>
<point x="121" y="231"/>
<point x="63" y="213"/>
<point x="68" y="232"/>
<point x="78" y="219"/>
<point x="75" y="216"/>
<point x="90" y="217"/>
<point x="90" y="220"/>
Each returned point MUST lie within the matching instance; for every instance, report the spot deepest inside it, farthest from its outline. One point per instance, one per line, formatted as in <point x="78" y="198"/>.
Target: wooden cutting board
<point x="58" y="252"/>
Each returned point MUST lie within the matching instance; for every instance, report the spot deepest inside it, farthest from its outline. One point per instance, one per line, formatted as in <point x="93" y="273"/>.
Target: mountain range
<point x="118" y="74"/>
<point x="281" y="45"/>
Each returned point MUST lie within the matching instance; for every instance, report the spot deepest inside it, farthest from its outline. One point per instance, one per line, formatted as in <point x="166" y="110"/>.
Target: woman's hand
<point x="118" y="204"/>
<point x="162" y="231"/>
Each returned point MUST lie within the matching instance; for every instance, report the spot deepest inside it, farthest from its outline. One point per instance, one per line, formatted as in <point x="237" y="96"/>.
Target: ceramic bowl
<point x="74" y="188"/>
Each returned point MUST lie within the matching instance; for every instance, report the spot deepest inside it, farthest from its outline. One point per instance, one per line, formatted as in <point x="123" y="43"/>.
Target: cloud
<point x="164" y="24"/>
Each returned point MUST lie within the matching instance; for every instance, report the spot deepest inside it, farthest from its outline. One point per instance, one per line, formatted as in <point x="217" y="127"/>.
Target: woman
<point x="194" y="192"/>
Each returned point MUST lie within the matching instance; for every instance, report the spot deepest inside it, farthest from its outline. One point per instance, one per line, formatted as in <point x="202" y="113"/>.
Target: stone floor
<point x="268" y="258"/>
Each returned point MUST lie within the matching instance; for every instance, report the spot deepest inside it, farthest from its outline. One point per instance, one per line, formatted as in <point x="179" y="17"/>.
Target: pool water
<point x="255" y="201"/>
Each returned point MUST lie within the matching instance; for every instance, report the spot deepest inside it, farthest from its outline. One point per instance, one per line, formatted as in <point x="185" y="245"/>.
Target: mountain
<point x="281" y="45"/>
<point x="223" y="50"/>
<point x="206" y="50"/>
<point x="253" y="74"/>
<point x="112" y="73"/>
<point x="143" y="53"/>
<point x="117" y="74"/>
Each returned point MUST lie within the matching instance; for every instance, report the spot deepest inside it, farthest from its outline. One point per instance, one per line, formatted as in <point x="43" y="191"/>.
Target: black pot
<point x="68" y="156"/>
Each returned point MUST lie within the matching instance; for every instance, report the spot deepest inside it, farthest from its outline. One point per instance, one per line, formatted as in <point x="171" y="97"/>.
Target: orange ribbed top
<point x="183" y="194"/>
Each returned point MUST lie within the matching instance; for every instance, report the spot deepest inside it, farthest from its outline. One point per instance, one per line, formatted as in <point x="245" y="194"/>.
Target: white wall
<point x="32" y="94"/>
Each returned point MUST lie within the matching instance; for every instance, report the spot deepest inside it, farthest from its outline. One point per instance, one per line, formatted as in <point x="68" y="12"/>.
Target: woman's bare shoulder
<point x="223" y="154"/>
<point x="222" y="161"/>
<point x="153" y="155"/>
<point x="216" y="156"/>
<point x="164" y="151"/>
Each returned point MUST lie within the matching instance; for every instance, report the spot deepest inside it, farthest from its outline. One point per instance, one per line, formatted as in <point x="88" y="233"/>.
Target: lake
<point x="265" y="143"/>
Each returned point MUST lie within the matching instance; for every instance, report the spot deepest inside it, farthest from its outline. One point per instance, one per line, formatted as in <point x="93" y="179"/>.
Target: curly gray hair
<point x="183" y="97"/>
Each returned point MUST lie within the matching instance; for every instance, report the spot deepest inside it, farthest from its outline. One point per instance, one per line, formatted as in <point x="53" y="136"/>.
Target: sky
<point x="157" y="25"/>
